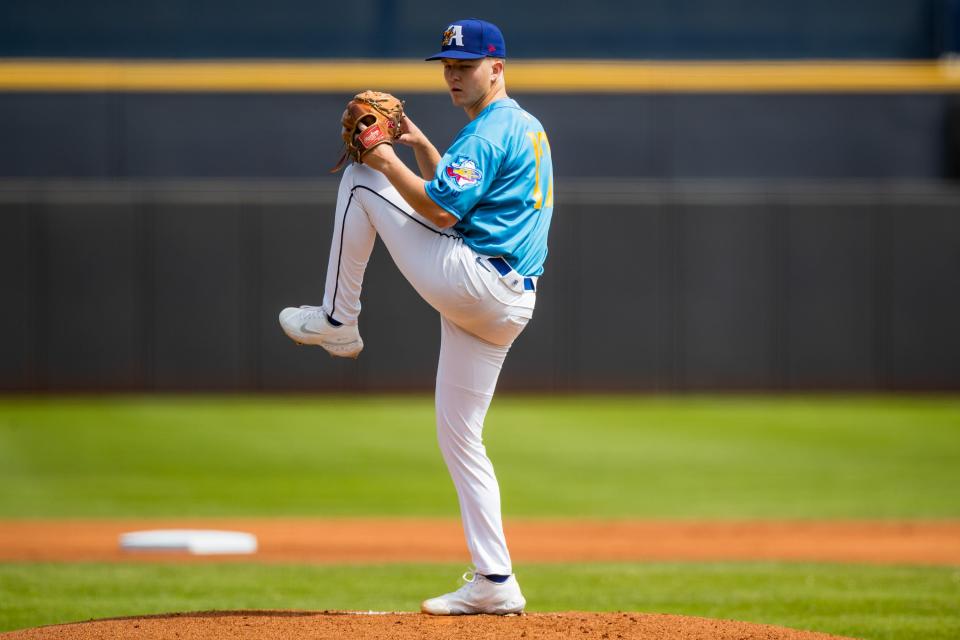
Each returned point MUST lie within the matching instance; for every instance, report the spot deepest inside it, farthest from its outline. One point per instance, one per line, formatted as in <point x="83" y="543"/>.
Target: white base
<point x="196" y="541"/>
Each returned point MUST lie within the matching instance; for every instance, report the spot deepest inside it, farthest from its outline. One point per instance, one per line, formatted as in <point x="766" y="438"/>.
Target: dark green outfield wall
<point x="702" y="241"/>
<point x="648" y="286"/>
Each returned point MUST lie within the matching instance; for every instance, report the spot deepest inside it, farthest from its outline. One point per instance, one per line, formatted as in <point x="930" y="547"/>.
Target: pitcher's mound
<point x="292" y="625"/>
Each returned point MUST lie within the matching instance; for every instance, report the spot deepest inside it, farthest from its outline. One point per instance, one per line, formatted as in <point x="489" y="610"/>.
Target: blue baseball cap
<point x="470" y="39"/>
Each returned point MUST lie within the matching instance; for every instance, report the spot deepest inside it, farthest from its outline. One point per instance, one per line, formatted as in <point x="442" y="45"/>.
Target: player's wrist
<point x="380" y="157"/>
<point x="420" y="144"/>
<point x="388" y="163"/>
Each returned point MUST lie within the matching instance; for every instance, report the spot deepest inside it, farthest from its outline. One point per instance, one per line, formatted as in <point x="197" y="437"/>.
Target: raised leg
<point x="428" y="257"/>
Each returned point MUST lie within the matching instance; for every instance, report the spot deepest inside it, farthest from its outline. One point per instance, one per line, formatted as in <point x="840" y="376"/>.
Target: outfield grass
<point x="686" y="457"/>
<point x="864" y="602"/>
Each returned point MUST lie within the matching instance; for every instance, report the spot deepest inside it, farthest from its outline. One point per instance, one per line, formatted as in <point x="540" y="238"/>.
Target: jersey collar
<point x="498" y="104"/>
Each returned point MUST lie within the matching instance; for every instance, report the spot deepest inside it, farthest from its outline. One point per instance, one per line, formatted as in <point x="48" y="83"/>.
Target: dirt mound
<point x="288" y="625"/>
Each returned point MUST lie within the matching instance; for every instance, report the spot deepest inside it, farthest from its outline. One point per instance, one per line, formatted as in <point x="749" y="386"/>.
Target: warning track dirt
<point x="357" y="541"/>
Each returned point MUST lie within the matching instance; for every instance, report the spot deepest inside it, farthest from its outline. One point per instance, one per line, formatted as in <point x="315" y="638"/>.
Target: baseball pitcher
<point x="470" y="234"/>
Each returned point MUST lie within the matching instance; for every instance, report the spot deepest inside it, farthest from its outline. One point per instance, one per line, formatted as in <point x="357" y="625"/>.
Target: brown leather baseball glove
<point x="380" y="115"/>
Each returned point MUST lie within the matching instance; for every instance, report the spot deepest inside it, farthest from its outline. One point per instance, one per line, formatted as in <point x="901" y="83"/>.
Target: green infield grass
<point x="578" y="456"/>
<point x="859" y="601"/>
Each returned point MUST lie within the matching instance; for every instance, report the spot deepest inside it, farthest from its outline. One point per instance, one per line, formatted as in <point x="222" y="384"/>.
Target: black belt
<point x="529" y="284"/>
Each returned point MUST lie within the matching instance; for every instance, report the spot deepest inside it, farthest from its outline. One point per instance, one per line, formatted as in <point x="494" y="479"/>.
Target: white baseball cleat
<point x="478" y="595"/>
<point x="310" y="325"/>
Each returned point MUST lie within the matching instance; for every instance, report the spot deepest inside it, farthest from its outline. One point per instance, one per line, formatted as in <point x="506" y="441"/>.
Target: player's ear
<point x="496" y="68"/>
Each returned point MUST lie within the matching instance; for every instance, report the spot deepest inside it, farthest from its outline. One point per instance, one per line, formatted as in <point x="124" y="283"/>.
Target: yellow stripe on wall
<point x="528" y="76"/>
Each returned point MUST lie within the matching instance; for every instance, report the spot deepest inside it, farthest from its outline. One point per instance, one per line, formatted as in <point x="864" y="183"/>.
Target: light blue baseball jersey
<point x="497" y="179"/>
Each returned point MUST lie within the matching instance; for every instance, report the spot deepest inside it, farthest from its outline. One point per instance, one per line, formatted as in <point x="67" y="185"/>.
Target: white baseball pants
<point x="480" y="318"/>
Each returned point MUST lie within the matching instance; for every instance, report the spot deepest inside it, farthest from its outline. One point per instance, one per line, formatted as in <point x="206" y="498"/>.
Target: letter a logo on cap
<point x="454" y="33"/>
<point x="470" y="39"/>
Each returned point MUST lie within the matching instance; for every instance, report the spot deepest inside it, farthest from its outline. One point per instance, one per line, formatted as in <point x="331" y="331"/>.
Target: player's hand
<point x="410" y="134"/>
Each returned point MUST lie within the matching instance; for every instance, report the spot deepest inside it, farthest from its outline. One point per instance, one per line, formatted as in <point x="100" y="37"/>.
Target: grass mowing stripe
<point x="582" y="456"/>
<point x="859" y="601"/>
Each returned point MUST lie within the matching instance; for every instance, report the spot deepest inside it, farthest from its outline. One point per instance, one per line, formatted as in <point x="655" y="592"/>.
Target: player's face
<point x="468" y="80"/>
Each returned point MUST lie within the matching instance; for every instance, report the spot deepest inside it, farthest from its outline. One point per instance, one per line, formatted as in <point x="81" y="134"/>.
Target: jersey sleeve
<point x="464" y="174"/>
